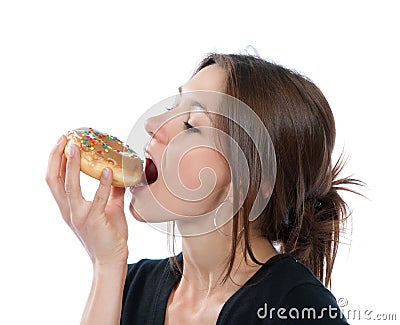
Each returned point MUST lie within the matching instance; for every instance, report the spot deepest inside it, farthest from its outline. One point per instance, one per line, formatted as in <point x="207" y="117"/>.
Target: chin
<point x="135" y="214"/>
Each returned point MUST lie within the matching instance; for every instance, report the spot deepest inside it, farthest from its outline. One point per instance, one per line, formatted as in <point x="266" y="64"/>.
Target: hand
<point x="99" y="224"/>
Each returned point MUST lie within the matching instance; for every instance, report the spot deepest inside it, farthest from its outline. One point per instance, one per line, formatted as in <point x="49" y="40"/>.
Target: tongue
<point x="150" y="171"/>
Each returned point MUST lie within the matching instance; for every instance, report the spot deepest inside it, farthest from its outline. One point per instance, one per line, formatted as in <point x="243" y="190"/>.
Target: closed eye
<point x="190" y="127"/>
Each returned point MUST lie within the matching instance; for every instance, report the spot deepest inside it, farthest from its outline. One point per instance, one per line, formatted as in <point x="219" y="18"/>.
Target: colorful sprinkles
<point x="90" y="138"/>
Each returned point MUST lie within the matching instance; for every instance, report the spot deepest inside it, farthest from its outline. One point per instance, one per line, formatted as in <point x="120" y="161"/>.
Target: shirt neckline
<point x="169" y="280"/>
<point x="254" y="278"/>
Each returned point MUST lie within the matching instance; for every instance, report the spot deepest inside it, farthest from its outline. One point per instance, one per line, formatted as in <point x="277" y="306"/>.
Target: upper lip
<point x="147" y="154"/>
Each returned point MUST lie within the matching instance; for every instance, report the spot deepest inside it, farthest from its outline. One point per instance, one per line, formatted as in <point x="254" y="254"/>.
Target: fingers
<point x="102" y="194"/>
<point x="63" y="168"/>
<point x="54" y="164"/>
<point x="72" y="180"/>
<point x="54" y="174"/>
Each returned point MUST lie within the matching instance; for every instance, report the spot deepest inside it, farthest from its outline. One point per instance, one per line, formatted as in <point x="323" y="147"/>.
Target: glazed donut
<point x="100" y="150"/>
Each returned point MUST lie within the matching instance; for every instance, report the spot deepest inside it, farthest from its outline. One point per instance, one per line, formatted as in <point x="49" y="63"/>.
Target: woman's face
<point x="193" y="178"/>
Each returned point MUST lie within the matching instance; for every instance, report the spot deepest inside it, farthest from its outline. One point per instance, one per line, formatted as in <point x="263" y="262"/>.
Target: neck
<point x="205" y="258"/>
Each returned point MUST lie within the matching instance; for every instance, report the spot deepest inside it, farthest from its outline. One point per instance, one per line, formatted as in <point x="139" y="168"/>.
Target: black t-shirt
<point x="282" y="291"/>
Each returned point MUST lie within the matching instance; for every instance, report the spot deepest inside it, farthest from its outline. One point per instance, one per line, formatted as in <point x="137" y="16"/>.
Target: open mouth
<point x="150" y="171"/>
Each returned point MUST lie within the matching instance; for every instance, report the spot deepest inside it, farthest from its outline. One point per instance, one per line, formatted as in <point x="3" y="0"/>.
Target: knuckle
<point x="105" y="183"/>
<point x="100" y="198"/>
<point x="68" y="190"/>
<point x="51" y="180"/>
<point x="48" y="180"/>
<point x="53" y="152"/>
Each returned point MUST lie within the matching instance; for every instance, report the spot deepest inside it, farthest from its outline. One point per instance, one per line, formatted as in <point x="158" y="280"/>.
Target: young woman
<point x="236" y="266"/>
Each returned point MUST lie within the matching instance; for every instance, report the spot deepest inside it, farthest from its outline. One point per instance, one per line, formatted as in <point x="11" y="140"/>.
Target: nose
<point x="155" y="127"/>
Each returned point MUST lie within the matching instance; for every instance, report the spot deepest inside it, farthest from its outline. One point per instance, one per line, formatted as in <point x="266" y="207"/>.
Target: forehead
<point x="212" y="78"/>
<point x="203" y="91"/>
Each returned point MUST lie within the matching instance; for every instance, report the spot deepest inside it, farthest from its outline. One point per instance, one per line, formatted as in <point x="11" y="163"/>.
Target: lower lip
<point x="136" y="188"/>
<point x="140" y="186"/>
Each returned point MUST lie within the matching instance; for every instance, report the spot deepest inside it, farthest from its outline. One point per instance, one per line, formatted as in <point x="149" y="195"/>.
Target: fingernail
<point x="106" y="172"/>
<point x="72" y="150"/>
<point x="60" y="139"/>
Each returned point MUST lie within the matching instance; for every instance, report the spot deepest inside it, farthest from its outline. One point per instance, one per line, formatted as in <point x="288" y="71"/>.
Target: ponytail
<point x="314" y="234"/>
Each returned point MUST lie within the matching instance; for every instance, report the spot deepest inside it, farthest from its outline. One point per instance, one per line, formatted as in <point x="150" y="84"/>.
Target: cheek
<point x="202" y="167"/>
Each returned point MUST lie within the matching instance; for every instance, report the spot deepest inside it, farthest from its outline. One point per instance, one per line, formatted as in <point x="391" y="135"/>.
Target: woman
<point x="236" y="267"/>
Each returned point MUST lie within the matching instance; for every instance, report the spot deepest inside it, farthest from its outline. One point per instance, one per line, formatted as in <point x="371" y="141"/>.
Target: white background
<point x="66" y="64"/>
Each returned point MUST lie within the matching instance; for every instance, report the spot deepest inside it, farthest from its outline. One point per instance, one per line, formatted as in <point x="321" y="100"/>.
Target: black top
<point x="282" y="291"/>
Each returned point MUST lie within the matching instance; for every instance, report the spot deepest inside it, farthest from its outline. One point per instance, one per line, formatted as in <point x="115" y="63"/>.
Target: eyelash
<point x="168" y="108"/>
<point x="190" y="127"/>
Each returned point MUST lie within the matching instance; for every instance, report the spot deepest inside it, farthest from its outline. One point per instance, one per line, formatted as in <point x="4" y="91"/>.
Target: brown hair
<point x="305" y="214"/>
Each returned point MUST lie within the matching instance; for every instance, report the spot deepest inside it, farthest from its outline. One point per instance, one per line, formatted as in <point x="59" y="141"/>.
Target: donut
<point x="100" y="150"/>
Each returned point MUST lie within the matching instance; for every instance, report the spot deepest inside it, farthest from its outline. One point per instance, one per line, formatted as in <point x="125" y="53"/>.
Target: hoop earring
<point x="215" y="221"/>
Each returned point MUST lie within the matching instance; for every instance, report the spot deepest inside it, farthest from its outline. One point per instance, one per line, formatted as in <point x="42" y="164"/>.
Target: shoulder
<point x="306" y="304"/>
<point x="281" y="286"/>
<point x="146" y="266"/>
<point x="149" y="269"/>
<point x="297" y="285"/>
<point x="283" y="273"/>
<point x="148" y="283"/>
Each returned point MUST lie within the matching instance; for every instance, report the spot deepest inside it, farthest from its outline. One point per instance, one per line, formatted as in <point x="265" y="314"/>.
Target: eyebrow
<point x="194" y="102"/>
